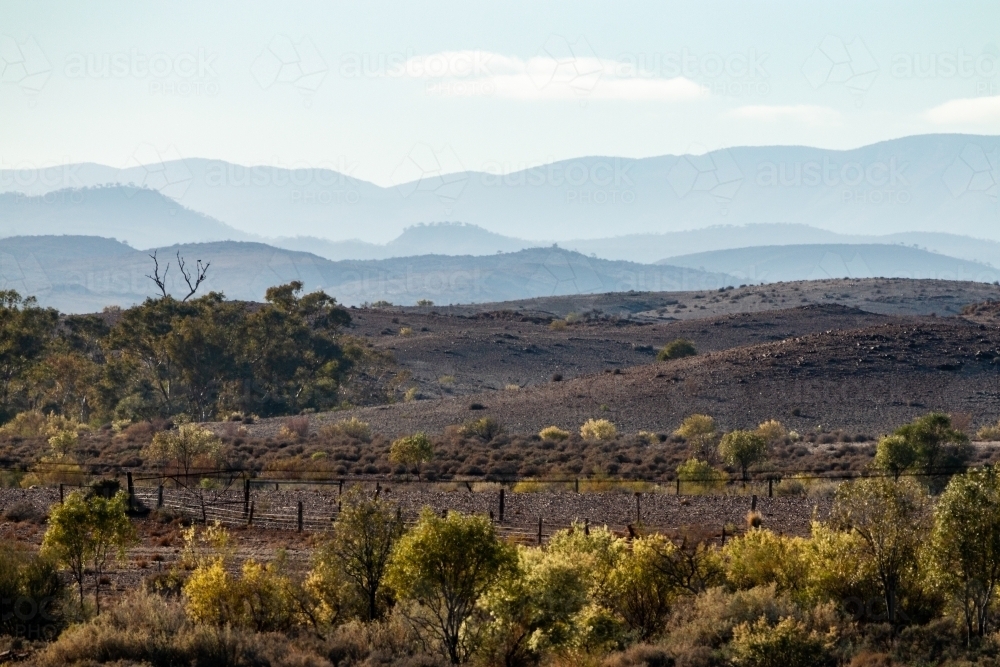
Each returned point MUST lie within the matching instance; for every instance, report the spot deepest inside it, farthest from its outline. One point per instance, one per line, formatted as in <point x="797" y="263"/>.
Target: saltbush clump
<point x="676" y="349"/>
<point x="598" y="429"/>
<point x="553" y="433"/>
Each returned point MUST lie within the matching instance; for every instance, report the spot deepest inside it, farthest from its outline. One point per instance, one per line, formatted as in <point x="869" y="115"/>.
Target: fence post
<point x="60" y="493"/>
<point x="131" y="489"/>
<point x="246" y="495"/>
<point x="501" y="504"/>
<point x="576" y="485"/>
<point x="250" y="516"/>
<point x="723" y="534"/>
<point x="753" y="503"/>
<point x="539" y="530"/>
<point x="159" y="497"/>
<point x="586" y="527"/>
<point x="678" y="486"/>
<point x="340" y="488"/>
<point x="300" y="515"/>
<point x="638" y="515"/>
<point x="770" y="487"/>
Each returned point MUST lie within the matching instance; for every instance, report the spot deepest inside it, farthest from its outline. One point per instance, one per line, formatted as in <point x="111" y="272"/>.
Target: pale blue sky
<point x="494" y="87"/>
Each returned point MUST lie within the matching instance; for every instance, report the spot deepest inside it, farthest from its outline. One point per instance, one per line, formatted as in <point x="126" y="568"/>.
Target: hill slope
<point x="814" y="262"/>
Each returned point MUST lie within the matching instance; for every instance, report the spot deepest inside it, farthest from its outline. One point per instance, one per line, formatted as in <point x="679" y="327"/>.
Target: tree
<point x="699" y="432"/>
<point x="25" y="334"/>
<point x="643" y="593"/>
<point x="966" y="544"/>
<point x="411" y="451"/>
<point x="937" y="446"/>
<point x="185" y="447"/>
<point x="743" y="449"/>
<point x="890" y="517"/>
<point x="363" y="538"/>
<point x="895" y="455"/>
<point x="444" y="566"/>
<point x="89" y="531"/>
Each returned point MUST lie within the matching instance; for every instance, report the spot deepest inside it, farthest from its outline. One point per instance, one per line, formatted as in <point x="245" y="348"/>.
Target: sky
<point x="361" y="87"/>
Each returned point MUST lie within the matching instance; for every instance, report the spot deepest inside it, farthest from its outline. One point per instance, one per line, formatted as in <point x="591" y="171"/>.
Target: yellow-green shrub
<point x="598" y="429"/>
<point x="553" y="433"/>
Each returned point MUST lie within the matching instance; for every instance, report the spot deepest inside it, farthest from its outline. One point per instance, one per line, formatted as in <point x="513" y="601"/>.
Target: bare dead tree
<point x="201" y="270"/>
<point x="161" y="281"/>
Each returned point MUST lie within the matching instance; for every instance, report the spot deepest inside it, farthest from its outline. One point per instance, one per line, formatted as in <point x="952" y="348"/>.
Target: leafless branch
<point x="199" y="275"/>
<point x="161" y="282"/>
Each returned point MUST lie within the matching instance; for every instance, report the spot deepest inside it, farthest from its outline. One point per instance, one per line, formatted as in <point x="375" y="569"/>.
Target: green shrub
<point x="352" y="428"/>
<point x="676" y="349"/>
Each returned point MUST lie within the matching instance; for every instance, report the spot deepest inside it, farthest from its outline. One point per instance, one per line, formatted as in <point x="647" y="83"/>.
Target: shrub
<point x="486" y="428"/>
<point x="787" y="644"/>
<point x="760" y="558"/>
<point x="33" y="424"/>
<point x="675" y="349"/>
<point x="772" y="431"/>
<point x="701" y="474"/>
<point x="295" y="427"/>
<point x="23" y="511"/>
<point x="557" y="325"/>
<point x="989" y="433"/>
<point x="352" y="428"/>
<point x="699" y="432"/>
<point x="406" y="331"/>
<point x="425" y="303"/>
<point x="412" y="450"/>
<point x="598" y="429"/>
<point x="553" y="433"/>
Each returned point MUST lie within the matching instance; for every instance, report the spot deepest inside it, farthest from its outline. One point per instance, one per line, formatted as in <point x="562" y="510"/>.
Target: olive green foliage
<point x="203" y="357"/>
<point x="895" y="455"/>
<point x="188" y="447"/>
<point x="412" y="450"/>
<point x="700" y="433"/>
<point x="934" y="446"/>
<point x="966" y="545"/>
<point x="443" y="567"/>
<point x="891" y="519"/>
<point x="701" y="474"/>
<point x="675" y="349"/>
<point x="362" y="541"/>
<point x="28" y="577"/>
<point x="743" y="449"/>
<point x="485" y="428"/>
<point x="89" y="533"/>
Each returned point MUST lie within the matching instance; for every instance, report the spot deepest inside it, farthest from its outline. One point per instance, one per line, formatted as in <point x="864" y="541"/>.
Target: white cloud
<point x="965" y="111"/>
<point x="543" y="77"/>
<point x="807" y="114"/>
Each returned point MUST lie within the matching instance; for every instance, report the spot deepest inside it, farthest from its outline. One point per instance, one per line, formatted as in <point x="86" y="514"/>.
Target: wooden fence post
<point x="60" y="493"/>
<point x="638" y="514"/>
<point x="576" y="485"/>
<point x="770" y="487"/>
<point x="299" y="507"/>
<point x="501" y="503"/>
<point x="340" y="488"/>
<point x="539" y="530"/>
<point x="159" y="497"/>
<point x="246" y="495"/>
<point x="723" y="534"/>
<point x="753" y="503"/>
<point x="250" y="516"/>
<point x="131" y="489"/>
<point x="678" y="486"/>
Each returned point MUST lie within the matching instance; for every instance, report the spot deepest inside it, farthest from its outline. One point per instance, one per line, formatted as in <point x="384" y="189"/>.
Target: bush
<point x="351" y="428"/>
<point x="486" y="428"/>
<point x="675" y="349"/>
<point x="743" y="449"/>
<point x="772" y="431"/>
<point x="699" y="432"/>
<point x="598" y="429"/>
<point x="701" y="474"/>
<point x="295" y="427"/>
<point x="640" y="655"/>
<point x="23" y="511"/>
<point x="787" y="644"/>
<point x="553" y="433"/>
<point x="989" y="433"/>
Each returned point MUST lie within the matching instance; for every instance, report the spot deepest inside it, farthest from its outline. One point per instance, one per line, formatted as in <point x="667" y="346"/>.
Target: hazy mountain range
<point x="928" y="183"/>
<point x="84" y="274"/>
